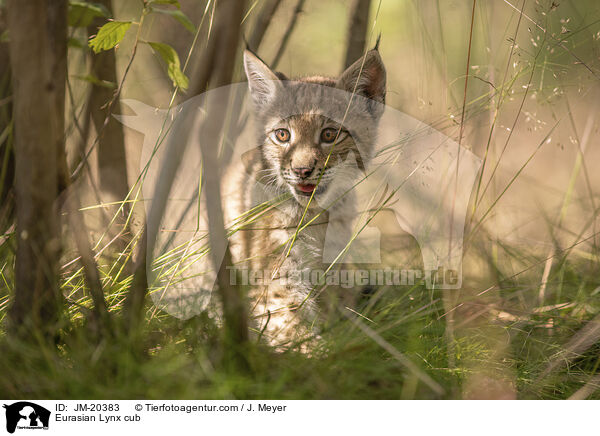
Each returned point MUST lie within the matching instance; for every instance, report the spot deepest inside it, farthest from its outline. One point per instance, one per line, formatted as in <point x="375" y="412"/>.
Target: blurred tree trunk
<point x="357" y="31"/>
<point x="38" y="49"/>
<point x="220" y="58"/>
<point x="229" y="15"/>
<point x="261" y="23"/>
<point x="7" y="156"/>
<point x="215" y="68"/>
<point x="4" y="58"/>
<point x="288" y="33"/>
<point x="112" y="169"/>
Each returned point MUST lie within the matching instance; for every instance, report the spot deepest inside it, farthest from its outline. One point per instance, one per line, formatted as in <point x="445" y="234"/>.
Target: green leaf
<point x="165" y="2"/>
<point x="109" y="35"/>
<point x="170" y="57"/>
<point x="179" y="16"/>
<point x="81" y="14"/>
<point x="4" y="36"/>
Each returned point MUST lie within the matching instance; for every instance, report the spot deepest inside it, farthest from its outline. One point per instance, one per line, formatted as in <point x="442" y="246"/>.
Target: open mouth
<point x="305" y="189"/>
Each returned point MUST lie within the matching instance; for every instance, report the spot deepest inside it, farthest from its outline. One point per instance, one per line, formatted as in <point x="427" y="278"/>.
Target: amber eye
<point x="282" y="135"/>
<point x="328" y="135"/>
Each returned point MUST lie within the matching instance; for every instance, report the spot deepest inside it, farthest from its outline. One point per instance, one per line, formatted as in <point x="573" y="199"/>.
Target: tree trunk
<point x="357" y="31"/>
<point x="38" y="49"/>
<point x="229" y="14"/>
<point x="215" y="69"/>
<point x="112" y="170"/>
<point x="7" y="156"/>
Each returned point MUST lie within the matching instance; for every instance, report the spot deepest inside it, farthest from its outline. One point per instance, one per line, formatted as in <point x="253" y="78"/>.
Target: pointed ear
<point x="370" y="75"/>
<point x="263" y="82"/>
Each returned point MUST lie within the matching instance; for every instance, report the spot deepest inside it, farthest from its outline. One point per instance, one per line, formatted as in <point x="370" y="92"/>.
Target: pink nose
<point x="303" y="172"/>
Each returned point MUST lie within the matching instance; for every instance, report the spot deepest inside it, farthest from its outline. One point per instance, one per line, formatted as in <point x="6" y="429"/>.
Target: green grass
<point x="171" y="358"/>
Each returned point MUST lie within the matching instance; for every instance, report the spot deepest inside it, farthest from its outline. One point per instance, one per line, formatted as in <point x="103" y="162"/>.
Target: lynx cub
<point x="315" y="136"/>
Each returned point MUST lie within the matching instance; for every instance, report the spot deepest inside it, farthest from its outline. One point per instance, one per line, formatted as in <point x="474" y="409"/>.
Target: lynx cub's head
<point x="315" y="132"/>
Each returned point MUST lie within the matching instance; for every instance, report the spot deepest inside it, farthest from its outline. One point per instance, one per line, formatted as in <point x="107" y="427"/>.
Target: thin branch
<point x="288" y="33"/>
<point x="114" y="99"/>
<point x="261" y="23"/>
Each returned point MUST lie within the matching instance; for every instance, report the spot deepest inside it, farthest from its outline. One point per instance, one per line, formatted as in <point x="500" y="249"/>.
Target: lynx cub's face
<point x="315" y="132"/>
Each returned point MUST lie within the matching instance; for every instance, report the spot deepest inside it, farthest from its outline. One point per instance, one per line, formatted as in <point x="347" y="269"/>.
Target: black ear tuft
<point x="281" y="76"/>
<point x="246" y="44"/>
<point x="376" y="48"/>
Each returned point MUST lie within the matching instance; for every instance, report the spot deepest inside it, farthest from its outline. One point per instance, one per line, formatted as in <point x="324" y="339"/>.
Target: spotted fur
<point x="351" y="105"/>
